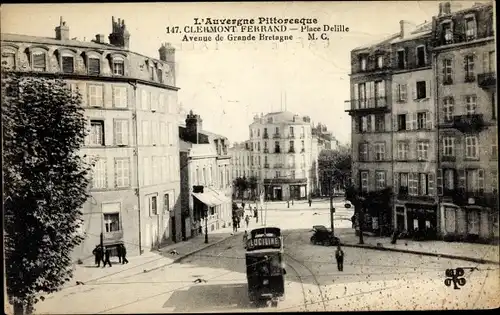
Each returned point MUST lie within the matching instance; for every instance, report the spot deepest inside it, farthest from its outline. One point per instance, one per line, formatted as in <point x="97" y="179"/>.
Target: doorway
<point x="278" y="194"/>
<point x="173" y="232"/>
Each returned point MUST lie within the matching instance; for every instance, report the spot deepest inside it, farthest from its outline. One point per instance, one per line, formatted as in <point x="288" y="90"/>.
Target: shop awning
<point x="206" y="198"/>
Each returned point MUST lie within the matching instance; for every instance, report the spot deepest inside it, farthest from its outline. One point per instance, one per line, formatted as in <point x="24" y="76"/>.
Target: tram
<point x="265" y="265"/>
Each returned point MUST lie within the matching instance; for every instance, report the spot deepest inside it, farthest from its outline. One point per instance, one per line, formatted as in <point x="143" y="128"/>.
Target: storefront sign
<point x="264" y="242"/>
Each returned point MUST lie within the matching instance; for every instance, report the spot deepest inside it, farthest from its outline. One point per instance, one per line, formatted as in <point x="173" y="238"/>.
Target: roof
<point x="422" y="30"/>
<point x="377" y="42"/>
<point x="67" y="43"/>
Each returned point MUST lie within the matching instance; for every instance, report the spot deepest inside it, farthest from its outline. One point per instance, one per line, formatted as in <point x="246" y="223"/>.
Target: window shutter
<point x="428" y="122"/>
<point x="354" y="102"/>
<point x="465" y="65"/>
<point x="414" y="121"/>
<point x="406" y="57"/>
<point x="486" y="61"/>
<point x="430" y="186"/>
<point x="89" y="129"/>
<point x="427" y="89"/>
<point x="439" y="182"/>
<point x="125" y="135"/>
<point x="480" y="180"/>
<point x="372" y="122"/>
<point x="116" y="172"/>
<point x="395" y="91"/>
<point x="396" y="182"/>
<point x="394" y="123"/>
<point x="408" y="121"/>
<point x="404" y="87"/>
<point x="461" y="179"/>
<point x="414" y="91"/>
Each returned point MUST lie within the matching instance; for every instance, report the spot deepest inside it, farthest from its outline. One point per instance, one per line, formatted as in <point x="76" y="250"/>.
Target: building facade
<point x="130" y="102"/>
<point x="281" y="156"/>
<point x="465" y="64"/>
<point x="241" y="166"/>
<point x="321" y="139"/>
<point x="442" y="163"/>
<point x="205" y="171"/>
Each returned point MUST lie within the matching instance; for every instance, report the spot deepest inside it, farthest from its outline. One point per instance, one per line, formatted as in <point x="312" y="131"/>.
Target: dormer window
<point x="160" y="75"/>
<point x="470" y="27"/>
<point x="363" y="63"/>
<point x="380" y="62"/>
<point x="67" y="64"/>
<point x="8" y="60"/>
<point x="118" y="66"/>
<point x="152" y="72"/>
<point x="448" y="32"/>
<point x="39" y="61"/>
<point x="94" y="66"/>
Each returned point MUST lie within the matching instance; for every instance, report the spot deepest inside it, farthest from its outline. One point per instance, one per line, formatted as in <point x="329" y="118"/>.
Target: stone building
<point x="130" y="102"/>
<point x="205" y="171"/>
<point x="464" y="59"/>
<point x="241" y="166"/>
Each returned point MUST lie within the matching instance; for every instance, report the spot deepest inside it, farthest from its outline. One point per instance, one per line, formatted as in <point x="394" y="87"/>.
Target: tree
<point x="45" y="185"/>
<point x="241" y="184"/>
<point x="334" y="167"/>
<point x="252" y="184"/>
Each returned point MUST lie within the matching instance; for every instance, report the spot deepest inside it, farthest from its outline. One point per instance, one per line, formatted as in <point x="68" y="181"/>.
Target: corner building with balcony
<point x="281" y="151"/>
<point x="130" y="101"/>
<point x="414" y="131"/>
<point x="370" y="109"/>
<point x="464" y="59"/>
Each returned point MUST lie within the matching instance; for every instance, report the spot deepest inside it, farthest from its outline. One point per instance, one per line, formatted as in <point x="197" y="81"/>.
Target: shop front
<point x="282" y="189"/>
<point x="421" y="220"/>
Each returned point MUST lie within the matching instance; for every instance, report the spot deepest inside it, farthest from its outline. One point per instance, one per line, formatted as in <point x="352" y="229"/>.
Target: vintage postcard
<point x="249" y="157"/>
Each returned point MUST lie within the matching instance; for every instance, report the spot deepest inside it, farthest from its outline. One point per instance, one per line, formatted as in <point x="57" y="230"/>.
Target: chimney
<point x="119" y="36"/>
<point x="444" y="8"/>
<point x="99" y="38"/>
<point x="62" y="31"/>
<point x="193" y="127"/>
<point x="404" y="27"/>
<point x="167" y="53"/>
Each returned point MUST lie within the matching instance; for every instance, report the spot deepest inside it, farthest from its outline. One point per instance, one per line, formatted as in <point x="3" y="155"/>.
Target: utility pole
<point x="332" y="211"/>
<point x="206" y="227"/>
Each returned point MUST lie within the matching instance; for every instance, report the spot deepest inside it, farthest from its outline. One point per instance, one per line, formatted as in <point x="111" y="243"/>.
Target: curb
<point x="471" y="259"/>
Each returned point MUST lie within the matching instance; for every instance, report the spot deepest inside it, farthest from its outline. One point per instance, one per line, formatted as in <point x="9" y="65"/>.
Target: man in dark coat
<point x="119" y="252"/>
<point x="107" y="255"/>
<point x="310" y="201"/>
<point x="98" y="254"/>
<point x="124" y="254"/>
<point x="339" y="256"/>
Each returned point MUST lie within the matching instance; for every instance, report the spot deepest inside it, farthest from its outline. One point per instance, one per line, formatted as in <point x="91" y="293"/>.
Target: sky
<point x="228" y="83"/>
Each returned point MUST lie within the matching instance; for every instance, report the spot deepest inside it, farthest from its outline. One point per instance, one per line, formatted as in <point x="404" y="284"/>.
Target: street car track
<point x="302" y="283"/>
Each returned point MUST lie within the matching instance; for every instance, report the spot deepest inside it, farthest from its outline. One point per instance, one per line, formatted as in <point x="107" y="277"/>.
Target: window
<point x="448" y="109"/>
<point x="363" y="63"/>
<point x="379" y="151"/>
<point x="120" y="96"/>
<point x="291" y="131"/>
<point x="447" y="32"/>
<point x="96" y="136"/>
<point x="159" y="73"/>
<point x="421" y="90"/>
<point x="470" y="28"/>
<point x="277" y="130"/>
<point x="403" y="181"/>
<point x="448" y="146"/>
<point x="401" y="57"/>
<point x="380" y="180"/>
<point x="166" y="203"/>
<point x="39" y="61"/>
<point x="403" y="148"/>
<point x="413" y="184"/>
<point x="95" y="95"/>
<point x="401" y="122"/>
<point x="469" y="68"/>
<point x="121" y="131"/>
<point x="401" y="88"/>
<point x="379" y="123"/>
<point x="67" y="64"/>
<point x="278" y="174"/>
<point x="99" y="174"/>
<point x="422" y="150"/>
<point x="380" y="62"/>
<point x="421" y="56"/>
<point x="153" y="205"/>
<point x="292" y="174"/>
<point x="421" y="120"/>
<point x="423" y="187"/>
<point x="145" y="132"/>
<point x="276" y="147"/>
<point x="122" y="172"/>
<point x="8" y="60"/>
<point x="447" y="71"/>
<point x="474" y="180"/>
<point x="152" y="72"/>
<point x="292" y="148"/>
<point x="471" y="147"/>
<point x="362" y="95"/>
<point x="118" y="67"/>
<point x="364" y="181"/>
<point x="449" y="179"/>
<point x="363" y="152"/>
<point x="494" y="150"/>
<point x="112" y="222"/>
<point x="489" y="64"/>
<point x="94" y="66"/>
<point x="470" y="104"/>
<point x="258" y="146"/>
<point x="258" y="132"/>
<point x="365" y="124"/>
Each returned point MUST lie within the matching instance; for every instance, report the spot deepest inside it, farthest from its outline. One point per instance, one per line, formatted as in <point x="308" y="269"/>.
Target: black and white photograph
<point x="241" y="157"/>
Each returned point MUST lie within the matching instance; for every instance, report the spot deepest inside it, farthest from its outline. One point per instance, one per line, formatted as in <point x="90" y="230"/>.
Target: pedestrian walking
<point x="107" y="255"/>
<point x="247" y="220"/>
<point x="119" y="252"/>
<point x="256" y="216"/>
<point x="243" y="206"/>
<point x="245" y="239"/>
<point x="310" y="201"/>
<point x="339" y="256"/>
<point x="353" y="219"/>
<point x="235" y="225"/>
<point x="124" y="254"/>
<point x="98" y="254"/>
<point x="238" y="219"/>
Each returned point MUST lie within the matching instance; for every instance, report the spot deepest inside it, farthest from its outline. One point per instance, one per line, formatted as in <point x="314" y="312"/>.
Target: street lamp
<point x="206" y="226"/>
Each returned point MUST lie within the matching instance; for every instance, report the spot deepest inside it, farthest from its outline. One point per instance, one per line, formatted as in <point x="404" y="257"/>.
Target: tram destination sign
<point x="264" y="242"/>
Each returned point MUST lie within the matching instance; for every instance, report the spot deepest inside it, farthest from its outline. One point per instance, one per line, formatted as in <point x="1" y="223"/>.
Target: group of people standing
<point x="104" y="254"/>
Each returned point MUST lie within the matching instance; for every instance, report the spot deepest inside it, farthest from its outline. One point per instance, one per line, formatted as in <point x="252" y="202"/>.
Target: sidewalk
<point x="478" y="253"/>
<point x="149" y="261"/>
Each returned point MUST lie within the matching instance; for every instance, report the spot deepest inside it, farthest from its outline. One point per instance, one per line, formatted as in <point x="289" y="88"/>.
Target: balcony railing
<point x="265" y="136"/>
<point x="470" y="78"/>
<point x="367" y="106"/>
<point x="302" y="136"/>
<point x="486" y="80"/>
<point x="277" y="150"/>
<point x="461" y="196"/>
<point x="112" y="236"/>
<point x="469" y="123"/>
<point x="266" y="165"/>
<point x="403" y="194"/>
<point x="266" y="150"/>
<point x="278" y="165"/>
<point x="291" y="136"/>
<point x="276" y="136"/>
<point x="302" y="150"/>
<point x="291" y="150"/>
<point x="448" y="158"/>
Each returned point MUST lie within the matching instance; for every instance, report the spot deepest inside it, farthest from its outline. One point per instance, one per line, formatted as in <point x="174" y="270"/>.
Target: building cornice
<point x="458" y="45"/>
